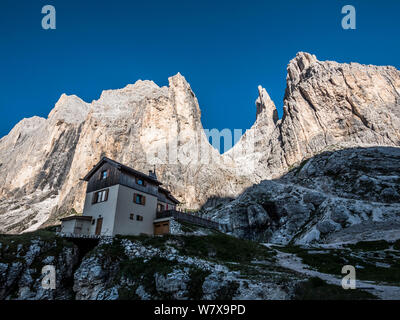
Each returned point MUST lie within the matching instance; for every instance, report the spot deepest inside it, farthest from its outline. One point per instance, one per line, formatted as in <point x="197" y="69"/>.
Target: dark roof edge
<point x="169" y="195"/>
<point x="77" y="217"/>
<point x="94" y="169"/>
<point x="120" y="166"/>
<point x="173" y="199"/>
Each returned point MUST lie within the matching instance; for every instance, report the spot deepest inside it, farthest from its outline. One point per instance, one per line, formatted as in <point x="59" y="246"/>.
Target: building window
<point x="100" y="196"/>
<point x="104" y="175"/>
<point x="131" y="216"/>
<point x="139" y="218"/>
<point x="139" y="199"/>
<point x="140" y="182"/>
<point x="160" y="207"/>
<point x="93" y="221"/>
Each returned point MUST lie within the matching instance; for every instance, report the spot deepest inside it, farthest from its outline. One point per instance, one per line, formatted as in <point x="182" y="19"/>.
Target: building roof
<point x="121" y="167"/>
<point x="168" y="195"/>
<point x="89" y="218"/>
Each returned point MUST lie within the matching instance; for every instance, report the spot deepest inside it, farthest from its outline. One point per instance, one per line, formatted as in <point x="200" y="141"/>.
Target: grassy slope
<point x="251" y="259"/>
<point x="377" y="261"/>
<point x="317" y="289"/>
<point x="236" y="254"/>
<point x="11" y="243"/>
<point x="14" y="248"/>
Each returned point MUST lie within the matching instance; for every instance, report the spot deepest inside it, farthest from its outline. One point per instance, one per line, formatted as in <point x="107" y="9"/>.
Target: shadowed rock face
<point x="345" y="195"/>
<point x="327" y="105"/>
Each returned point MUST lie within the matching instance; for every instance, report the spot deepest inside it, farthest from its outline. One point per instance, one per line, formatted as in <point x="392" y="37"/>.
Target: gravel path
<point x="291" y="261"/>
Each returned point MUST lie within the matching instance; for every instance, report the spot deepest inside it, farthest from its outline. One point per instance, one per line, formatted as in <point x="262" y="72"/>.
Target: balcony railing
<point x="187" y="217"/>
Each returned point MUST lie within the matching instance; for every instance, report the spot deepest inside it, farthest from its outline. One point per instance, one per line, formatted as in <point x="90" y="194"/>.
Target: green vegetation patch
<point x="128" y="293"/>
<point x="188" y="227"/>
<point x="114" y="251"/>
<point x="195" y="284"/>
<point x="227" y="291"/>
<point x="396" y="245"/>
<point x="151" y="241"/>
<point x="51" y="246"/>
<point x="142" y="272"/>
<point x="15" y="247"/>
<point x="217" y="247"/>
<point x="369" y="245"/>
<point x="250" y="258"/>
<point x="371" y="259"/>
<point x="301" y="165"/>
<point x="221" y="247"/>
<point x="318" y="289"/>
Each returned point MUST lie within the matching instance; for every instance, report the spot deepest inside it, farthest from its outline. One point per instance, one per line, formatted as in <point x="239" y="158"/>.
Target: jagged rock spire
<point x="265" y="106"/>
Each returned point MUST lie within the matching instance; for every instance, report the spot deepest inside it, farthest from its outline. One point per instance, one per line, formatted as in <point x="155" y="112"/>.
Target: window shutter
<point x="134" y="197"/>
<point x="106" y="196"/>
<point x="94" y="197"/>
<point x="143" y="200"/>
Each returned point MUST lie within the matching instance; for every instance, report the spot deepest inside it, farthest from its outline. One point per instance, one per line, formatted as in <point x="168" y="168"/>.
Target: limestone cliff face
<point x="327" y="105"/>
<point x="35" y="159"/>
<point x="141" y="125"/>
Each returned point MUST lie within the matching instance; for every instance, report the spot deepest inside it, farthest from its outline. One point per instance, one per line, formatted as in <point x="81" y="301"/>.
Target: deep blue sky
<point x="223" y="48"/>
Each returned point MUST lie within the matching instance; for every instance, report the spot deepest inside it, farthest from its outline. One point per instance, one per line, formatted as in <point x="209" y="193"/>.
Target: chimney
<point x="152" y="174"/>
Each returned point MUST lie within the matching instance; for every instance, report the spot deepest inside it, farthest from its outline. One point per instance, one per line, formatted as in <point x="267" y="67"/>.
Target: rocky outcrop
<point x="142" y="268"/>
<point x="22" y="261"/>
<point x="189" y="267"/>
<point x="346" y="195"/>
<point x="149" y="272"/>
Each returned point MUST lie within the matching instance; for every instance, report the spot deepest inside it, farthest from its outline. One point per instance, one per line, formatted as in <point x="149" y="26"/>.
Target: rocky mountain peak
<point x="177" y="79"/>
<point x="143" y="89"/>
<point x="326" y="104"/>
<point x="298" y="64"/>
<point x="179" y="83"/>
<point x="127" y="99"/>
<point x="296" y="67"/>
<point x="70" y="109"/>
<point x="266" y="106"/>
<point x="184" y="100"/>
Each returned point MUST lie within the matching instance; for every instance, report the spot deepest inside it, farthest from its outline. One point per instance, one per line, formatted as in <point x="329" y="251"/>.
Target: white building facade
<point x="120" y="200"/>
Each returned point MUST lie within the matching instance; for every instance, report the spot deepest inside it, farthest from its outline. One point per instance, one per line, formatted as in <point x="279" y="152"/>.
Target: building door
<point x="165" y="228"/>
<point x="161" y="228"/>
<point x="99" y="224"/>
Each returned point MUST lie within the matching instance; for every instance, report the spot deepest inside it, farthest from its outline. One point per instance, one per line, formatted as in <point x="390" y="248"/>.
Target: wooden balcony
<point x="187" y="217"/>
